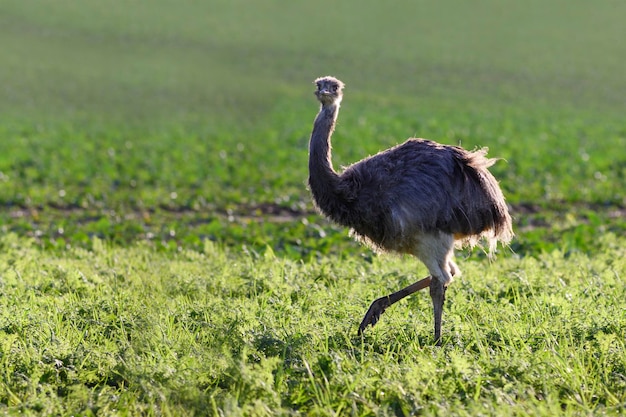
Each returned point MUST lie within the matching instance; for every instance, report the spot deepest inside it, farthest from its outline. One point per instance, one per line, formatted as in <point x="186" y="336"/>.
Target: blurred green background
<point x="144" y="108"/>
<point x="189" y="61"/>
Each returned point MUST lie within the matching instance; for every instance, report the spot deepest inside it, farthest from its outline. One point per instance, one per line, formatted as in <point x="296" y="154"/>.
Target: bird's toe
<point x="377" y="308"/>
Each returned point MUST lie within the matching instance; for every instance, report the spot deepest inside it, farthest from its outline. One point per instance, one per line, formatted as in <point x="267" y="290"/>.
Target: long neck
<point x="323" y="179"/>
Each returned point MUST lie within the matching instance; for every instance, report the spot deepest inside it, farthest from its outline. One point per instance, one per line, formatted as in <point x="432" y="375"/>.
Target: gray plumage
<point x="419" y="197"/>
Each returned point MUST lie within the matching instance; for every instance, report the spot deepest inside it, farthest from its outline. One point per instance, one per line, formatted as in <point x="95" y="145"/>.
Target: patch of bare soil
<point x="533" y="214"/>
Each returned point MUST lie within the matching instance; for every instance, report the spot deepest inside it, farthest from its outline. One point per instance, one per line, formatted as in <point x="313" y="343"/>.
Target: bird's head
<point x="329" y="90"/>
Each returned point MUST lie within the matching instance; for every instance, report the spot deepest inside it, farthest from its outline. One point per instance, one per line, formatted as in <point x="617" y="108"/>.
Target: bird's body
<point x="419" y="197"/>
<point x="418" y="187"/>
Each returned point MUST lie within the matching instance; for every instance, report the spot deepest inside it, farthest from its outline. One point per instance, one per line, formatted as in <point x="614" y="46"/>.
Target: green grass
<point x="160" y="254"/>
<point x="208" y="331"/>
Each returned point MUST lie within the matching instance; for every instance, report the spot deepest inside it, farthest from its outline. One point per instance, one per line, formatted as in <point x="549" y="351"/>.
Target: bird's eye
<point x="334" y="88"/>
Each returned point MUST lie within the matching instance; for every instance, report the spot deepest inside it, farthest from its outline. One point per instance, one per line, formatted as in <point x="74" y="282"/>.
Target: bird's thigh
<point x="436" y="251"/>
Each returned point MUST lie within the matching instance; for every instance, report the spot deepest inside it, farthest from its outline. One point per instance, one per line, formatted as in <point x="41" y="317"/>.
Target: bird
<point x="419" y="198"/>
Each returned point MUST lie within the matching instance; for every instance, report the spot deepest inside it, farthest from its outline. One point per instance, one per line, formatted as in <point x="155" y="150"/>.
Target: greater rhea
<point x="419" y="197"/>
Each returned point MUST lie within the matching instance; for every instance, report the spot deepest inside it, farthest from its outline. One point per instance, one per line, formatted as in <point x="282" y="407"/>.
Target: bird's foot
<point x="377" y="308"/>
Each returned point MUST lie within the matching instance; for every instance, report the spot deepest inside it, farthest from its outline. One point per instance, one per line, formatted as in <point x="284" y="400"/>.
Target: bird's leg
<point x="438" y="295"/>
<point x="378" y="307"/>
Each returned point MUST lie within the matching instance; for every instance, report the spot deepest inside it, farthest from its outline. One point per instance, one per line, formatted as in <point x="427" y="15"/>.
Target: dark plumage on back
<point x="419" y="197"/>
<point x="423" y="187"/>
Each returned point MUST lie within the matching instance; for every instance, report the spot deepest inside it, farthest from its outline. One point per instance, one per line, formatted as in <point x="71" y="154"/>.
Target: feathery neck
<point x="320" y="158"/>
<point x="323" y="180"/>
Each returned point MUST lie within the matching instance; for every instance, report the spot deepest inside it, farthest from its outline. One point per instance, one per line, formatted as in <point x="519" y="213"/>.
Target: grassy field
<point x="160" y="255"/>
